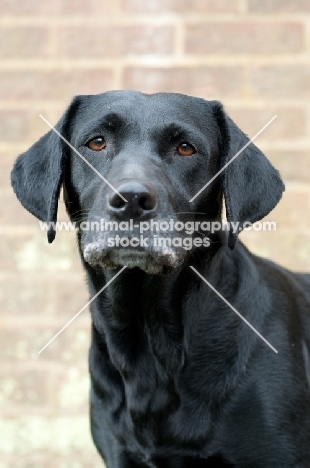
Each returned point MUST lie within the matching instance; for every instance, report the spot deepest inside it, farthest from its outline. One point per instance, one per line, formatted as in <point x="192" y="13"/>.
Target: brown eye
<point x="185" y="149"/>
<point x="97" y="144"/>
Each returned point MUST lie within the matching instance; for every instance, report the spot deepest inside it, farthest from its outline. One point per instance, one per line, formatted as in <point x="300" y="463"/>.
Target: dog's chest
<point x="156" y="415"/>
<point x="153" y="410"/>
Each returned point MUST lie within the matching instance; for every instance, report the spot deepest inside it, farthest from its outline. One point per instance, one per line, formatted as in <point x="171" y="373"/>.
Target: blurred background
<point x="253" y="55"/>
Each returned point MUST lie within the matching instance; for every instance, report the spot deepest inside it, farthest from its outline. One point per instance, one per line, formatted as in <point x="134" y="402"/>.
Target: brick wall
<point x="251" y="54"/>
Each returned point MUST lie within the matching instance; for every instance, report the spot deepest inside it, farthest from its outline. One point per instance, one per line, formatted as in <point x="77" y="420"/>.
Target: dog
<point x="178" y="379"/>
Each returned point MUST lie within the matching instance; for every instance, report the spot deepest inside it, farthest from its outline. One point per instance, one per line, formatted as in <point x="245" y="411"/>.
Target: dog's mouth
<point x="154" y="261"/>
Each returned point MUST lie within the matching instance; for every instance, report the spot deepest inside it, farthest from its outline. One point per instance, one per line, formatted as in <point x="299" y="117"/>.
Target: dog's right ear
<point x="38" y="173"/>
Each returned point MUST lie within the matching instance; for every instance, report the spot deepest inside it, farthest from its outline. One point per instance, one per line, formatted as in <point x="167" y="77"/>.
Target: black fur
<point x="178" y="379"/>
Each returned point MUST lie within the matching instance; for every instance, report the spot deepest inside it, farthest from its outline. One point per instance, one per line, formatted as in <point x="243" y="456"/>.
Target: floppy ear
<point x="38" y="173"/>
<point x="251" y="185"/>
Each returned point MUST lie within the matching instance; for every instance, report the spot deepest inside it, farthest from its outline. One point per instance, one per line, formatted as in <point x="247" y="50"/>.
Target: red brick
<point x="29" y="7"/>
<point x="12" y="125"/>
<point x="55" y="7"/>
<point x="7" y="251"/>
<point x="209" y="82"/>
<point x="24" y="387"/>
<point x="31" y="253"/>
<point x="12" y="212"/>
<point x="179" y="6"/>
<point x="27" y="462"/>
<point x="72" y="345"/>
<point x="18" y="126"/>
<point x="153" y="80"/>
<point x="293" y="211"/>
<point x="71" y="389"/>
<point x="7" y="159"/>
<point x="294" y="165"/>
<point x="233" y="37"/>
<point x="49" y="459"/>
<point x="111" y="41"/>
<point x="98" y="8"/>
<point x="290" y="123"/>
<point x="284" y="246"/>
<point x="279" y="6"/>
<point x="24" y="295"/>
<point x="23" y="42"/>
<point x="280" y="81"/>
<point x="71" y="296"/>
<point x="23" y="345"/>
<point x="216" y="82"/>
<point x="36" y="435"/>
<point x="53" y="85"/>
<point x="147" y="40"/>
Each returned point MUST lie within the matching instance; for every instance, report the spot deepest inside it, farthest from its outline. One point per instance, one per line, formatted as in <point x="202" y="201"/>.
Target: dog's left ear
<point x="251" y="185"/>
<point x="38" y="173"/>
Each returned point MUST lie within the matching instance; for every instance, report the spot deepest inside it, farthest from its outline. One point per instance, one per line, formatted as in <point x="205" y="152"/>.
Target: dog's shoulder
<point x="290" y="282"/>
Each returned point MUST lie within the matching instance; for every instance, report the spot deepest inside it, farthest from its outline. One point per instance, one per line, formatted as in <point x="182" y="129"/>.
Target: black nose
<point x="141" y="200"/>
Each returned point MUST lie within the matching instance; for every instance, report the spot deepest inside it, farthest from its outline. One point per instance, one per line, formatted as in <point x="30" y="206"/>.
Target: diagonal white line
<point x="80" y="311"/>
<point x="82" y="157"/>
<point x="235" y="310"/>
<point x="236" y="155"/>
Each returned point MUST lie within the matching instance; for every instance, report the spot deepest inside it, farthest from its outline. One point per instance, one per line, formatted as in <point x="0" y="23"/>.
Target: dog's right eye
<point x="186" y="149"/>
<point x="97" y="144"/>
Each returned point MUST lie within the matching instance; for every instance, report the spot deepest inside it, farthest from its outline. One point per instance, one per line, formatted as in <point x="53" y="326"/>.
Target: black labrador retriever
<point x="178" y="379"/>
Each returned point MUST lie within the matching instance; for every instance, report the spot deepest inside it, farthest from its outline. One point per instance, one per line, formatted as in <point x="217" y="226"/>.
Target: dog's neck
<point x="144" y="323"/>
<point x="140" y="311"/>
<point x="137" y="312"/>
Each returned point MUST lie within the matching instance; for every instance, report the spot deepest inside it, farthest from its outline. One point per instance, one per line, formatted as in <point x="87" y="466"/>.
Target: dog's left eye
<point x="97" y="144"/>
<point x="186" y="149"/>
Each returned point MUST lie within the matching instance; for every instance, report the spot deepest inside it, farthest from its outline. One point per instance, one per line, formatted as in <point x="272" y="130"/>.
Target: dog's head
<point x="131" y="164"/>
